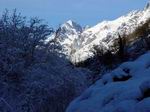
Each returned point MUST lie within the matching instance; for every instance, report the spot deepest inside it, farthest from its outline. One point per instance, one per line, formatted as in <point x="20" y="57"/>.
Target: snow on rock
<point x="77" y="42"/>
<point x="70" y="28"/>
<point x="68" y="37"/>
<point x="125" y="89"/>
<point x="107" y="31"/>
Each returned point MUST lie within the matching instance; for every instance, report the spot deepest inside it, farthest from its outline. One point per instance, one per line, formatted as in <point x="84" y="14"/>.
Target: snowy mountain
<point x="125" y="89"/>
<point x="77" y="42"/>
<point x="70" y="28"/>
<point x="68" y="37"/>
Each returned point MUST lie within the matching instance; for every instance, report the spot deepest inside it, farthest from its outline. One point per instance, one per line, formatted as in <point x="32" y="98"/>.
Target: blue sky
<point x="85" y="12"/>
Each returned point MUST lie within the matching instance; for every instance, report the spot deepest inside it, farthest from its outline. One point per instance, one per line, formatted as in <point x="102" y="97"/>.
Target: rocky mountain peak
<point x="71" y="27"/>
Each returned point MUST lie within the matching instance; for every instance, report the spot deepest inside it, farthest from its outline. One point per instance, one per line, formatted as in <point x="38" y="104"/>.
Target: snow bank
<point x="126" y="89"/>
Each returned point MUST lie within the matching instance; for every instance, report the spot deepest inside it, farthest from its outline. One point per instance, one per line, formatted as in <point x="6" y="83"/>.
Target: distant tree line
<point x="125" y="47"/>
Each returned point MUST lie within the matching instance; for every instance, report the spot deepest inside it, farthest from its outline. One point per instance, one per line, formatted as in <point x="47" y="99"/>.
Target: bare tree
<point x="19" y="40"/>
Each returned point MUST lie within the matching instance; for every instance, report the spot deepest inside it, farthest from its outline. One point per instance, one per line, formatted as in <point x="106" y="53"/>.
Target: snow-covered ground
<point x="125" y="89"/>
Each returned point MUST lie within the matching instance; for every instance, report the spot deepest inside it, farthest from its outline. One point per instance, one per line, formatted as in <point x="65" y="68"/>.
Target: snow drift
<point x="125" y="89"/>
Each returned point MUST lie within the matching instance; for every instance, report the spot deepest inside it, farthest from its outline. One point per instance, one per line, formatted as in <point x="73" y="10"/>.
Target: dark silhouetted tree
<point x="121" y="48"/>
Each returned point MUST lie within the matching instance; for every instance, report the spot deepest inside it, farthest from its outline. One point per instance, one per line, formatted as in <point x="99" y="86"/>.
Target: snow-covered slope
<point x="70" y="28"/>
<point x="68" y="36"/>
<point x="104" y="33"/>
<point x="125" y="89"/>
<point x="77" y="42"/>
